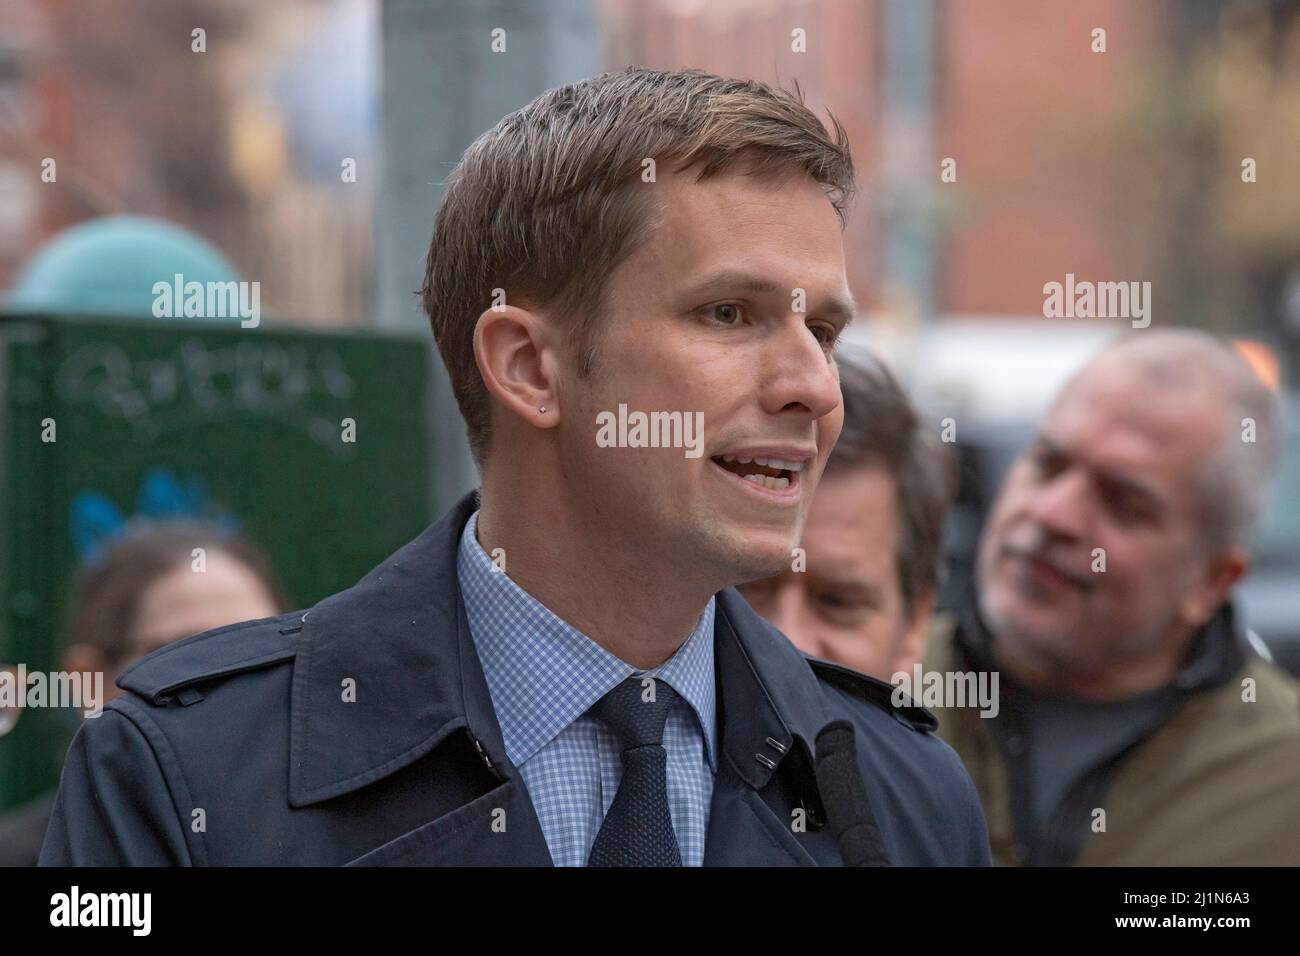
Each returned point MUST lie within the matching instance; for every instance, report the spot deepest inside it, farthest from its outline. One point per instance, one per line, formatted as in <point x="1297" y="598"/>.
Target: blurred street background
<point x="301" y="145"/>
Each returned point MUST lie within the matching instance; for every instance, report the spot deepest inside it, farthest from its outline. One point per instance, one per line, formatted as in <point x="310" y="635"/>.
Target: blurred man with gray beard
<point x="1136" y="725"/>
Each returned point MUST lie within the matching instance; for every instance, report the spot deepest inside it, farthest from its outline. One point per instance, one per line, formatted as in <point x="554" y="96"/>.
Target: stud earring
<point x="541" y="408"/>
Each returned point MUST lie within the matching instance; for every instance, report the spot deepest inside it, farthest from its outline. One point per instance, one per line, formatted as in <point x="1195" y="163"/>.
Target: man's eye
<point x="840" y="610"/>
<point x="1045" y="461"/>
<point x="825" y="334"/>
<point x="728" y="313"/>
<point x="842" y="602"/>
<point x="1128" y="509"/>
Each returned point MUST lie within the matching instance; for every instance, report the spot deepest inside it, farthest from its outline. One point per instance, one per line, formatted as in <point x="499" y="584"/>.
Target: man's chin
<point x="731" y="552"/>
<point x="749" y="575"/>
<point x="758" y="563"/>
<point x="1011" y="612"/>
<point x="1042" y="637"/>
<point x="754" y="557"/>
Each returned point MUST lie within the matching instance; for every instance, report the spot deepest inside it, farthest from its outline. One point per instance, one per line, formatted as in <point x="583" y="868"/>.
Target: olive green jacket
<point x="1215" y="783"/>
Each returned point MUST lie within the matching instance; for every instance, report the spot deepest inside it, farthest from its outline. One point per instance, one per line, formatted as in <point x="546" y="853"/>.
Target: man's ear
<point x="911" y="649"/>
<point x="1211" y="588"/>
<point x="516" y="355"/>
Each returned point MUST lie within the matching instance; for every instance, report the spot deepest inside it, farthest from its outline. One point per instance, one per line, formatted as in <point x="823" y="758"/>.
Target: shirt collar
<point x="543" y="673"/>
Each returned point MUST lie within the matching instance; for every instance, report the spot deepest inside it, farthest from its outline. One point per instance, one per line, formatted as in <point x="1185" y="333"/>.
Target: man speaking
<point x="558" y="672"/>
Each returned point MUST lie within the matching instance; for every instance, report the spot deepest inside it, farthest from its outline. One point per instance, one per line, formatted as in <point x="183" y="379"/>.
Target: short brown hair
<point x="544" y="205"/>
<point x="883" y="429"/>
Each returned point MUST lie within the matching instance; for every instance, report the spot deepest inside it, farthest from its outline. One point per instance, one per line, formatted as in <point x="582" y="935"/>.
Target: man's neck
<point x="620" y="599"/>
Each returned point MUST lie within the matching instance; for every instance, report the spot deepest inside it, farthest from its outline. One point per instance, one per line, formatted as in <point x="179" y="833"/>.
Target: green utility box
<point x="315" y="445"/>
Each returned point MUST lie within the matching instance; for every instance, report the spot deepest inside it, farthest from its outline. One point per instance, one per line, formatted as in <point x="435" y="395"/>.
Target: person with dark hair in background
<point x="1137" y="726"/>
<point x="144" y="592"/>
<point x="560" y="672"/>
<point x="862" y="592"/>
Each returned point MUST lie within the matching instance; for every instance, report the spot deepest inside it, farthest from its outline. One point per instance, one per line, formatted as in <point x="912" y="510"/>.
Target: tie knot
<point x="636" y="711"/>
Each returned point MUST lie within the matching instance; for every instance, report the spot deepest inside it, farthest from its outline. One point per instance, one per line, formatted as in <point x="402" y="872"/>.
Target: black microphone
<point x="844" y="797"/>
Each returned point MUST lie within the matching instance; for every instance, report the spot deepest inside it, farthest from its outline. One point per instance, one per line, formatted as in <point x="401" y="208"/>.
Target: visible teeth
<point x="775" y="484"/>
<point x="778" y="463"/>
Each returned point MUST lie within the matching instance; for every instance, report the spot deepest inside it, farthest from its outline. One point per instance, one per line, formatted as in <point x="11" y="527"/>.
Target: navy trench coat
<point x="238" y="747"/>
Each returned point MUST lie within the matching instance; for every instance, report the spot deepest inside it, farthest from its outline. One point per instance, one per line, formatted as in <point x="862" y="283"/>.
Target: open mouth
<point x="774" y="474"/>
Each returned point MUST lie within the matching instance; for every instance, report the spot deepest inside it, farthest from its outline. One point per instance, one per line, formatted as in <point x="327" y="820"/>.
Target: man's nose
<point x="1063" y="505"/>
<point x="798" y="375"/>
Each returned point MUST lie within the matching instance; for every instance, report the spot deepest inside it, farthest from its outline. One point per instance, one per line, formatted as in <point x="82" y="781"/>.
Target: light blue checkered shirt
<point x="544" y="674"/>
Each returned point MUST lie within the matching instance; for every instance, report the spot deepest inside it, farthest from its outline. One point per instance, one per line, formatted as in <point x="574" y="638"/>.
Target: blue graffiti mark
<point x="96" y="522"/>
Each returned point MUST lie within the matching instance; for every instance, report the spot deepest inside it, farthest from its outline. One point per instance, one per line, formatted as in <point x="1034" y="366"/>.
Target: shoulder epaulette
<point x="173" y="670"/>
<point x="876" y="692"/>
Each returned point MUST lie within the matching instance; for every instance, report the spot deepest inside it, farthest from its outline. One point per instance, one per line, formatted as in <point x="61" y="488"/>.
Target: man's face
<point x="1112" y="469"/>
<point x="847" y="605"/>
<point x="702" y="318"/>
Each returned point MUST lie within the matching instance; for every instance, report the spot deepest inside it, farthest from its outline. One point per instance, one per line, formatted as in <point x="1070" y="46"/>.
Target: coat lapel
<point x="402" y="636"/>
<point x="766" y="810"/>
<point x="743" y="831"/>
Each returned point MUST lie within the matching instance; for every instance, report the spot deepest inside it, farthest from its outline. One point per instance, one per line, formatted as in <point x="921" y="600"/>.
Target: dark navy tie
<point x="638" y="830"/>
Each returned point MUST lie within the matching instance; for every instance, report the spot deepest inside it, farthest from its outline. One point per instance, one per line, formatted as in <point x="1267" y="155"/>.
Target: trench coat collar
<point x="400" y="640"/>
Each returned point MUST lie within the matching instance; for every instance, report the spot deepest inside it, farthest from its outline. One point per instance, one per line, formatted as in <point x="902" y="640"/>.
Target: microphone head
<point x="844" y="797"/>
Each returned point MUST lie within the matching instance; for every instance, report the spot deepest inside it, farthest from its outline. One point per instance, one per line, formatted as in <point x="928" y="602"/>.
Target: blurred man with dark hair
<point x="1137" y="726"/>
<point x="147" y="590"/>
<point x="872" y="541"/>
